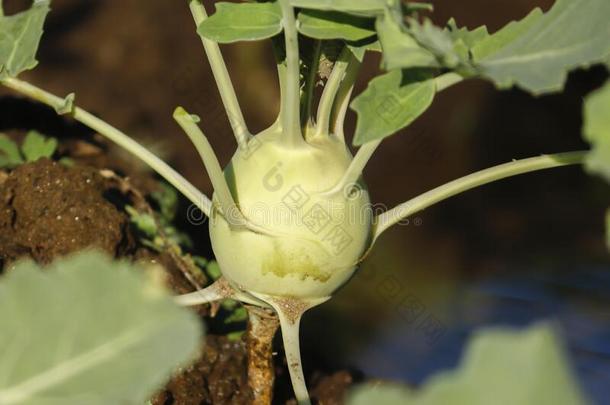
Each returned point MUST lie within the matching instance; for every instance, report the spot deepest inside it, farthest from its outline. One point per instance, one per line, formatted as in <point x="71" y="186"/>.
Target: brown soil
<point x="331" y="390"/>
<point x="219" y="377"/>
<point x="48" y="210"/>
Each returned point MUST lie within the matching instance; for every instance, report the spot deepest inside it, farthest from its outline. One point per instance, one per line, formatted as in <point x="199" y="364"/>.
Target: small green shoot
<point x="10" y="156"/>
<point x="35" y="146"/>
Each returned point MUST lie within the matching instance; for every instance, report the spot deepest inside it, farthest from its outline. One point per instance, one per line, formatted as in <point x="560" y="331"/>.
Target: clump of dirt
<point x="331" y="389"/>
<point x="218" y="377"/>
<point x="48" y="210"/>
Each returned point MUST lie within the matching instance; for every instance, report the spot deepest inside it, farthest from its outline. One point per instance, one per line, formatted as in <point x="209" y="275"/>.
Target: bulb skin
<point x="313" y="238"/>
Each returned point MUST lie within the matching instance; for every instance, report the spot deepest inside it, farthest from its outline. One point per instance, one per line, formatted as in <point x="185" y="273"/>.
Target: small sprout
<point x="167" y="201"/>
<point x="213" y="270"/>
<point x="10" y="156"/>
<point x="144" y="223"/>
<point x="35" y="146"/>
<point x="238" y="314"/>
<point x="66" y="161"/>
<point x="200" y="261"/>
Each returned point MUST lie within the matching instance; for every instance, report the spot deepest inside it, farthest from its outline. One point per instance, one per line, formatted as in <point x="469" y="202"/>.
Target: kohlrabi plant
<point x="290" y="218"/>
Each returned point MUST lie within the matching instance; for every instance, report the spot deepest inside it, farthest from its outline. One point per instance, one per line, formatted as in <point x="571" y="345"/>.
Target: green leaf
<point x="360" y="48"/>
<point x="89" y="330"/>
<point x="436" y="40"/>
<point x="68" y="105"/>
<point x="9" y="153"/>
<point x="359" y="7"/>
<point x="19" y="38"/>
<point x="167" y="201"/>
<point x="500" y="366"/>
<point x="334" y="25"/>
<point x="464" y="39"/>
<point x="400" y="49"/>
<point x="391" y="102"/>
<point x="415" y="6"/>
<point x="596" y="131"/>
<point x="239" y="314"/>
<point x="144" y="223"/>
<point x="36" y="146"/>
<point x="234" y="22"/>
<point x="492" y="43"/>
<point x="365" y="8"/>
<point x="537" y="53"/>
<point x="469" y="38"/>
<point x="213" y="270"/>
<point x="200" y="261"/>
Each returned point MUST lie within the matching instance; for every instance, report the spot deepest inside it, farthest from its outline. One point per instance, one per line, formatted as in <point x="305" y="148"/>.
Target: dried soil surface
<point x="219" y="377"/>
<point x="48" y="210"/>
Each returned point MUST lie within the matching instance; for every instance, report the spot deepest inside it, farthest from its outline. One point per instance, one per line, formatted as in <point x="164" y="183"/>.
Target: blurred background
<point x="525" y="249"/>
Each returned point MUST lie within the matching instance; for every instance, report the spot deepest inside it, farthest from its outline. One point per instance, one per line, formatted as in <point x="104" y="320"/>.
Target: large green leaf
<point x="19" y="38"/>
<point x="88" y="331"/>
<point x="391" y="102"/>
<point x="400" y="49"/>
<point x="500" y="367"/>
<point x="362" y="7"/>
<point x="597" y="131"/>
<point x="537" y="53"/>
<point x="464" y="39"/>
<point x="436" y="40"/>
<point x="368" y="8"/>
<point x="490" y="44"/>
<point x="234" y="22"/>
<point x="469" y="38"/>
<point x="334" y="25"/>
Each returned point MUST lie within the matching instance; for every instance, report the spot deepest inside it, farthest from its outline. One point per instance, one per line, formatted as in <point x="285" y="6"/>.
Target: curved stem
<point x="223" y="80"/>
<point x="357" y="165"/>
<point x="292" y="348"/>
<point x="110" y="132"/>
<point x="343" y="98"/>
<point x="230" y="212"/>
<point x="330" y="90"/>
<point x="447" y="80"/>
<point x="280" y="60"/>
<point x="219" y="290"/>
<point x="291" y="102"/>
<point x="517" y="167"/>
<point x="340" y="113"/>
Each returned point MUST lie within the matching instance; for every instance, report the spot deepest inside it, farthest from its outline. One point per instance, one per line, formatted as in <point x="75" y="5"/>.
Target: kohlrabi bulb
<point x="316" y="235"/>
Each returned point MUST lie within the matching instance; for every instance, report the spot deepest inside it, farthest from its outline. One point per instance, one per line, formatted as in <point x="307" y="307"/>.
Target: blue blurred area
<point x="577" y="300"/>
